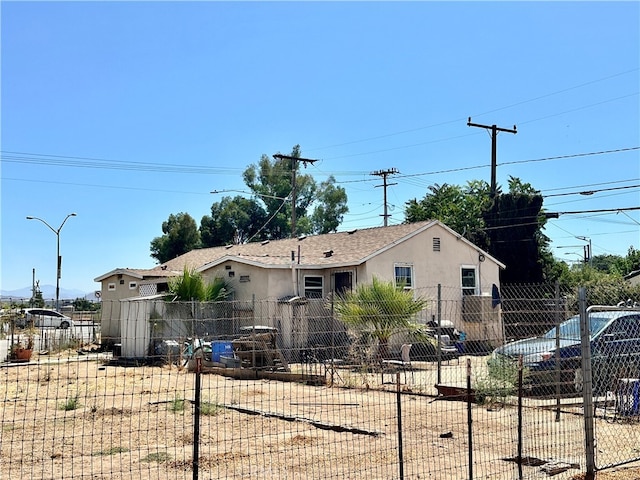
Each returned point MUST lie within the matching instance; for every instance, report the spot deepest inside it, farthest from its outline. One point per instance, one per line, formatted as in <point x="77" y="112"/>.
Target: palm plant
<point x="191" y="286"/>
<point x="381" y="309"/>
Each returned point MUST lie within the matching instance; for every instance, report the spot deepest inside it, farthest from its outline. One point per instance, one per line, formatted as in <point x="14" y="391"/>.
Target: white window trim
<point x="406" y="265"/>
<point x="133" y="285"/>
<point x="475" y="287"/>
<point x="111" y="286"/>
<point x="314" y="289"/>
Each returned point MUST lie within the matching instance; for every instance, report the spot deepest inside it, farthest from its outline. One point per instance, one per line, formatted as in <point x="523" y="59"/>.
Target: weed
<point x="176" y="405"/>
<point x="158" y="457"/>
<point x="111" y="451"/>
<point x="71" y="404"/>
<point x="209" y="408"/>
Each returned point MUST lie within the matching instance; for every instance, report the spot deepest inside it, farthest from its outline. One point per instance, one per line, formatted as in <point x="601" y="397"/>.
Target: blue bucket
<point x="221" y="348"/>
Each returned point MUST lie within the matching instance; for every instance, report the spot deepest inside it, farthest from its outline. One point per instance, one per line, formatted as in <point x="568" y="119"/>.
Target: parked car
<point x="615" y="351"/>
<point x="42" y="317"/>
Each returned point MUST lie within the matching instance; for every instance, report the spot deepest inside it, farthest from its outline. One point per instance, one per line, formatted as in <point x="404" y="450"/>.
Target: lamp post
<point x="587" y="250"/>
<point x="58" y="258"/>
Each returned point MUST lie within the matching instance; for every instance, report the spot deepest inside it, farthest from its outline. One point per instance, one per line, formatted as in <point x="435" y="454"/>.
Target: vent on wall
<point x="436" y="244"/>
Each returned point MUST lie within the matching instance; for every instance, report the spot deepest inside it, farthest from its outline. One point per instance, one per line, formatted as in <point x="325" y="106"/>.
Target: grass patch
<point x="111" y="451"/>
<point x="158" y="457"/>
<point x="177" y="405"/>
<point x="71" y="404"/>
<point x="210" y="408"/>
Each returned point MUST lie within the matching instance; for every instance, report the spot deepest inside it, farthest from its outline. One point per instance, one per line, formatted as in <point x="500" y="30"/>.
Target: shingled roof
<point x="329" y="250"/>
<point x="332" y="250"/>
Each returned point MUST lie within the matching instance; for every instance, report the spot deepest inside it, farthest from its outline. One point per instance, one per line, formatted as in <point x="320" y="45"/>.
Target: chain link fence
<point x="285" y="388"/>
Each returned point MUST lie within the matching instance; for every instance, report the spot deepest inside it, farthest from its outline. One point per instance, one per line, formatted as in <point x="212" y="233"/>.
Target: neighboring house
<point x="418" y="256"/>
<point x="633" y="278"/>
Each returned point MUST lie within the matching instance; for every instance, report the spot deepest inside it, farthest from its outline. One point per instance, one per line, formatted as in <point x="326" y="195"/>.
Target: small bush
<point x="177" y="405"/>
<point x="208" y="408"/>
<point x="71" y="404"/>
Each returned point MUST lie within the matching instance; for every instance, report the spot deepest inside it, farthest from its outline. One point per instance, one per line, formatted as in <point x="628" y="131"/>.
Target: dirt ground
<point x="84" y="419"/>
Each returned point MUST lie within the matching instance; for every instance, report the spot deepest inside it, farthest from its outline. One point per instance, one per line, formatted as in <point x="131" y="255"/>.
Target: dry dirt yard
<point x="83" y="419"/>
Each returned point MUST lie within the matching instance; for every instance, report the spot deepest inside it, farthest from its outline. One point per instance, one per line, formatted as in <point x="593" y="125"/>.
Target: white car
<point x="43" y="317"/>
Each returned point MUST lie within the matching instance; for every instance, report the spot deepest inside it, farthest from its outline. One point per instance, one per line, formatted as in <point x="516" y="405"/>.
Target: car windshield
<point x="570" y="329"/>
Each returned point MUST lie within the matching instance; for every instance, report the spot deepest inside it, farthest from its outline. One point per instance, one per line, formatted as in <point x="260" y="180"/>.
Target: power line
<point x="540" y="97"/>
<point x="591" y="192"/>
<point x="494" y="147"/>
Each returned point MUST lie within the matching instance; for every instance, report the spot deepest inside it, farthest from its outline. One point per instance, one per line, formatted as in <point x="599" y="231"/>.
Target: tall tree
<point x="509" y="226"/>
<point x="233" y="221"/>
<point x="180" y="235"/>
<point x="460" y="208"/>
<point x="332" y="205"/>
<point x="514" y="224"/>
<point x="272" y="182"/>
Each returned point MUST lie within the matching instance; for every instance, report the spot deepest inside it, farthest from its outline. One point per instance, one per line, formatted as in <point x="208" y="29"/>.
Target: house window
<point x="111" y="287"/>
<point x="404" y="276"/>
<point x="313" y="286"/>
<point x="469" y="280"/>
<point x="133" y="285"/>
<point x="436" y="244"/>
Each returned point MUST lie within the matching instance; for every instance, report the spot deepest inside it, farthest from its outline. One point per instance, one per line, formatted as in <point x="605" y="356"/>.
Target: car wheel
<point x="578" y="380"/>
<point x="64" y="325"/>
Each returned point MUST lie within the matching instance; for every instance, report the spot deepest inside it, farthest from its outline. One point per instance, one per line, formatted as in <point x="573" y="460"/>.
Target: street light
<point x="587" y="250"/>
<point x="58" y="258"/>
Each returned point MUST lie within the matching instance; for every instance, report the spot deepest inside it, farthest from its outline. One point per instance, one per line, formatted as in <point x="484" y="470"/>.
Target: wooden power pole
<point x="494" y="134"/>
<point x="294" y="167"/>
<point x="384" y="174"/>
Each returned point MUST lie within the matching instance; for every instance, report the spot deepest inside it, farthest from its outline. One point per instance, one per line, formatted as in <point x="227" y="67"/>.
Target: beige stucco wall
<point x="111" y="310"/>
<point x="433" y="268"/>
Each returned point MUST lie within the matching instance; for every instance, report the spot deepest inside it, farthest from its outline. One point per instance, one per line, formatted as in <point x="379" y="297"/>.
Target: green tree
<point x="380" y="309"/>
<point x="84" y="305"/>
<point x="180" y="235"/>
<point x="331" y="207"/>
<point x="272" y="182"/>
<point x="233" y="221"/>
<point x="458" y="208"/>
<point x="509" y="226"/>
<point x="514" y="223"/>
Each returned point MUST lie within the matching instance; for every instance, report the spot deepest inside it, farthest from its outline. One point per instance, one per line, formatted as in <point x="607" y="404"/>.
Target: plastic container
<point x="221" y="348"/>
<point x="629" y="396"/>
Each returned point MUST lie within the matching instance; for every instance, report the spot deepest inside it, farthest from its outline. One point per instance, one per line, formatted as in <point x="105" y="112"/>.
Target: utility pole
<point x="294" y="167"/>
<point x="494" y="133"/>
<point x="384" y="174"/>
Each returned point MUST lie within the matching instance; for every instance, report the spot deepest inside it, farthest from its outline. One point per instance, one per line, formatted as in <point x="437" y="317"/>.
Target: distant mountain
<point x="48" y="292"/>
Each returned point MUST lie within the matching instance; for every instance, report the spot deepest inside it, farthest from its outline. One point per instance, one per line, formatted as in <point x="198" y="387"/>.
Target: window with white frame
<point x="404" y="275"/>
<point x="469" y="280"/>
<point x="133" y="285"/>
<point x="111" y="287"/>
<point x="313" y="286"/>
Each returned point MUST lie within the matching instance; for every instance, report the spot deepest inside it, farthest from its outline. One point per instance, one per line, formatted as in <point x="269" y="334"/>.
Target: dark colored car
<point x="615" y="351"/>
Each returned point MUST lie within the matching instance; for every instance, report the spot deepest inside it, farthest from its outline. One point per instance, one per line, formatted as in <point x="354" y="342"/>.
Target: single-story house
<point x="419" y="256"/>
<point x="633" y="277"/>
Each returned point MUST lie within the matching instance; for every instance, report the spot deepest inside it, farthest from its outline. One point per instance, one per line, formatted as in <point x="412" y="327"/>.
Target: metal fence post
<point x="520" y="392"/>
<point x="469" y="419"/>
<point x="587" y="390"/>
<point x="558" y="319"/>
<point x="196" y="420"/>
<point x="399" y="415"/>
<point x="439" y="332"/>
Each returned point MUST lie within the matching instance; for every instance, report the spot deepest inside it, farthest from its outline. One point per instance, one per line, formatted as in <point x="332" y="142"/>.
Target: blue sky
<point x="125" y="113"/>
